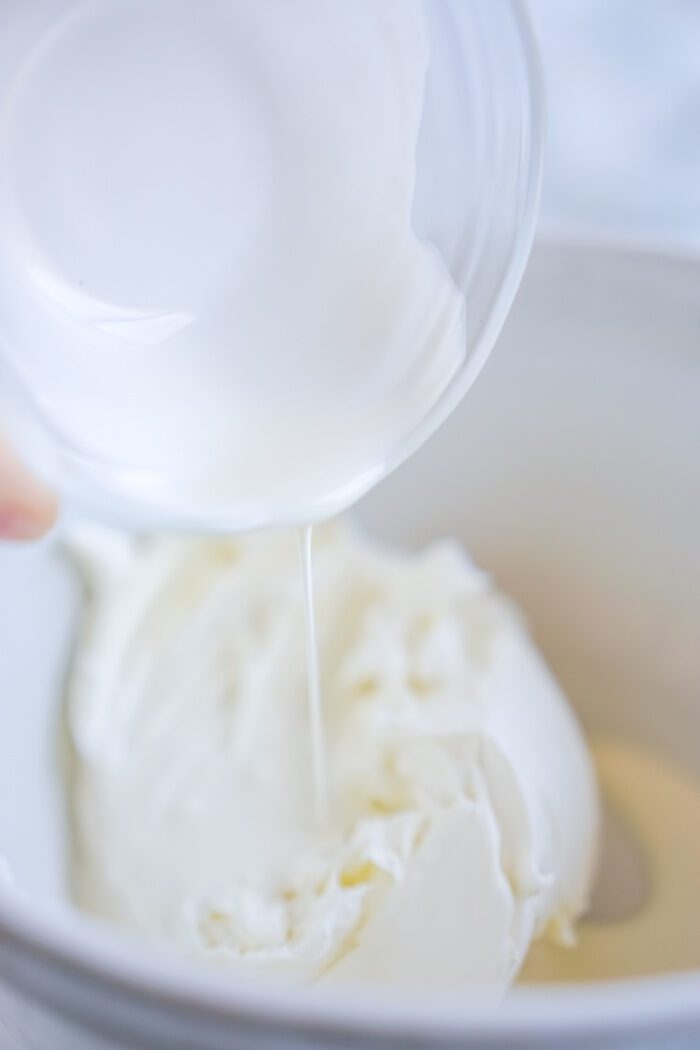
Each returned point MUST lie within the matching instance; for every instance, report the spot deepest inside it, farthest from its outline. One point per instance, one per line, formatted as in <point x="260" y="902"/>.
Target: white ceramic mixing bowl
<point x="572" y="471"/>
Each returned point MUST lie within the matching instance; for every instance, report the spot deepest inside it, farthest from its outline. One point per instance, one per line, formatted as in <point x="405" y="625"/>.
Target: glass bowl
<point x="130" y="378"/>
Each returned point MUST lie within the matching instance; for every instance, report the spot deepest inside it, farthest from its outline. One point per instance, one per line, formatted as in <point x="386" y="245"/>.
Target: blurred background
<point x="623" y="90"/>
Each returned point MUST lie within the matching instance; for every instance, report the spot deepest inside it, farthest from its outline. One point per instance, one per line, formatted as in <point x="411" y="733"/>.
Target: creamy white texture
<point x="463" y="804"/>
<point x="213" y="291"/>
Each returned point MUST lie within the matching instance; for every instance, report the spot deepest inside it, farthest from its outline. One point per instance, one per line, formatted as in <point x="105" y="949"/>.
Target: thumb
<point x="27" y="508"/>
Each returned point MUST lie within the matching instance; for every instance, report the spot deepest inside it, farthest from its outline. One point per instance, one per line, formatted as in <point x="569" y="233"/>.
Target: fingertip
<point x="28" y="509"/>
<point x="28" y="522"/>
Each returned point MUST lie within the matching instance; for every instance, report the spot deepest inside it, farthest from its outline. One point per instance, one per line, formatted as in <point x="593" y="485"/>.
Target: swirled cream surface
<point x="463" y="810"/>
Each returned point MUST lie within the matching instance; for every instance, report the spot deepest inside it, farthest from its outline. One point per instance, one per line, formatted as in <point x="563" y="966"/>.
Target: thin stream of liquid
<point x="317" y="733"/>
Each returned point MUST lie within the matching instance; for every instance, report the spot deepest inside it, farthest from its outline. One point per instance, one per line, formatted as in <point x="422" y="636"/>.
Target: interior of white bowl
<point x="571" y="472"/>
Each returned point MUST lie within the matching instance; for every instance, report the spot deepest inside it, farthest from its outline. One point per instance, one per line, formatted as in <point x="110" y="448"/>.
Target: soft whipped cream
<point x="463" y="808"/>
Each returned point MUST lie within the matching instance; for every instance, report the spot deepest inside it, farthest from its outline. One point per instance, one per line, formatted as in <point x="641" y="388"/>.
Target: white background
<point x="623" y="101"/>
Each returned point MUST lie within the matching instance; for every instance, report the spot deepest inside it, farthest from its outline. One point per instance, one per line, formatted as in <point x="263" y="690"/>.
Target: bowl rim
<point x="65" y="947"/>
<point x="84" y="950"/>
<point x="563" y="235"/>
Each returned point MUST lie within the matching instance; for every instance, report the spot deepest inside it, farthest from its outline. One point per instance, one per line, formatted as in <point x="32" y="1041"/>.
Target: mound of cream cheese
<point x="463" y="807"/>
